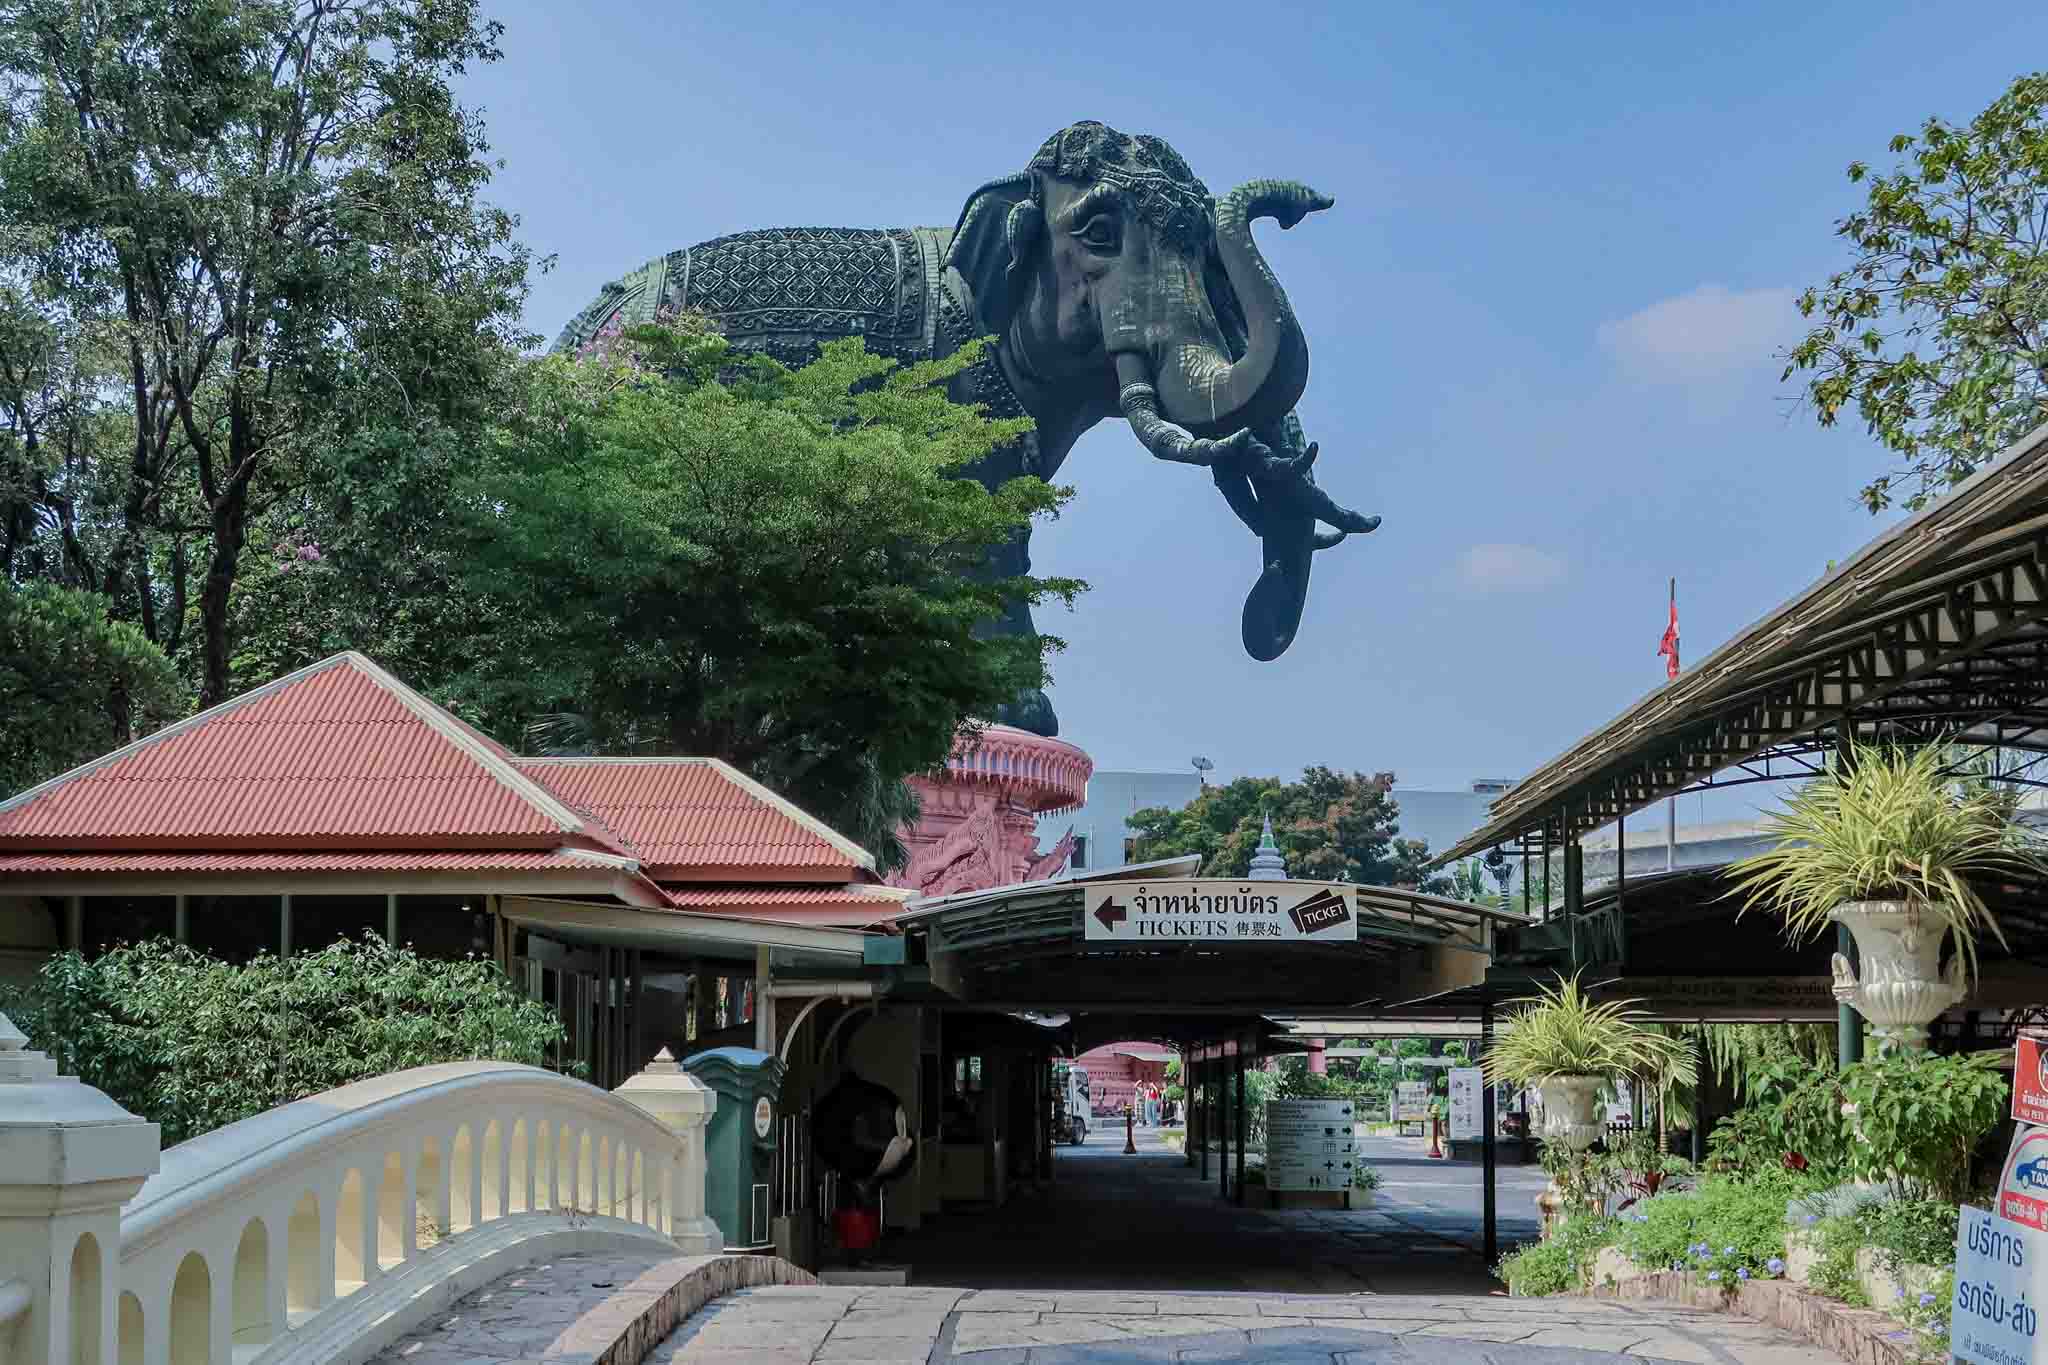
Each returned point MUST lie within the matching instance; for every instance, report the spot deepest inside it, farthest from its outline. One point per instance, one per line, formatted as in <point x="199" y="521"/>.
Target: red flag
<point x="1668" y="647"/>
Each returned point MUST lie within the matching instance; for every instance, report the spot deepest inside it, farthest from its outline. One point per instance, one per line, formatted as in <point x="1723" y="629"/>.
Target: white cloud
<point x="1509" y="568"/>
<point x="1705" y="335"/>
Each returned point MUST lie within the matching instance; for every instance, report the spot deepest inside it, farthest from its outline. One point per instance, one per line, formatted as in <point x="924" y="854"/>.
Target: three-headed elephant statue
<point x="1113" y="284"/>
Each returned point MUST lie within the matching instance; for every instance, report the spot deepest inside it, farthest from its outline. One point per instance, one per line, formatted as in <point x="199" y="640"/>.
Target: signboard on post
<point x="2023" y="1184"/>
<point x="1216" y="912"/>
<point x="1311" y="1144"/>
<point x="2030" y="1081"/>
<point x="1467" y="1096"/>
<point x="2001" y="1274"/>
<point x="1411" y="1102"/>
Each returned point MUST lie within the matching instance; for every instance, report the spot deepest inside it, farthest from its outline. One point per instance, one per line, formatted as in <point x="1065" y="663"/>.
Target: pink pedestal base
<point x="979" y="828"/>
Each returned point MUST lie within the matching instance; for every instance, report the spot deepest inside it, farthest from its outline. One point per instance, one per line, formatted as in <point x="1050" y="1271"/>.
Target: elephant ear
<point x="998" y="229"/>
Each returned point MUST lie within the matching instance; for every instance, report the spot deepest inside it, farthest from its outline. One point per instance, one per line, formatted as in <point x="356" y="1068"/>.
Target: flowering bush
<point x="1565" y="1262"/>
<point x="1726" y="1231"/>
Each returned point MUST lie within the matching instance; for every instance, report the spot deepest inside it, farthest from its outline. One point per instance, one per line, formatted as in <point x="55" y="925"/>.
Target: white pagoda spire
<point x="1268" y="864"/>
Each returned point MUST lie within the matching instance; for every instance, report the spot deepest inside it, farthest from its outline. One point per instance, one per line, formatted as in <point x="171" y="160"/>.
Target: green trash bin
<point x="739" y="1149"/>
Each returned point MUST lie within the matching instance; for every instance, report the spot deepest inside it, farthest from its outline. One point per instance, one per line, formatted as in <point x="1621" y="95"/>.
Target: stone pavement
<point x="841" y="1325"/>
<point x="1149" y="1222"/>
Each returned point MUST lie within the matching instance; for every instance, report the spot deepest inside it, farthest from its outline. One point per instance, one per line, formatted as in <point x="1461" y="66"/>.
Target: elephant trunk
<point x="1199" y="385"/>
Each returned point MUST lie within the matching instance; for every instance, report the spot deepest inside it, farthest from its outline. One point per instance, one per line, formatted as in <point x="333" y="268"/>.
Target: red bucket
<point x="858" y="1229"/>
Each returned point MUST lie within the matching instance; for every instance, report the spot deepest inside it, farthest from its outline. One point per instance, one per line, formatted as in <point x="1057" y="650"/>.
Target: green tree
<point x="192" y="1043"/>
<point x="777" y="567"/>
<point x="1331" y="826"/>
<point x="1936" y="332"/>
<point x="73" y="684"/>
<point x="266" y="217"/>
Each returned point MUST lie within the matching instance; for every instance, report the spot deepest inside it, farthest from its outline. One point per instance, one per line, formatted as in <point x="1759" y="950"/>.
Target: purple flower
<point x="1727" y="1251"/>
<point x="1776" y="1265"/>
<point x="1742" y="1273"/>
<point x="1927" y="1300"/>
<point x="1714" y="1275"/>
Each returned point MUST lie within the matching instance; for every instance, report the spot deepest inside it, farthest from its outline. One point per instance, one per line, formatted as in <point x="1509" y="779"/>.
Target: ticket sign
<point x="2030" y="1081"/>
<point x="2001" y="1274"/>
<point x="2023" y="1185"/>
<point x="1216" y="913"/>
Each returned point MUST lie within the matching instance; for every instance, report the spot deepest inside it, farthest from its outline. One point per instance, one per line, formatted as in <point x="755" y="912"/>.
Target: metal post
<point x="1670" y="834"/>
<point x="391" y="918"/>
<point x="1848" y="1023"/>
<point x="1525" y="872"/>
<point x="1208" y="1112"/>
<point x="1243" y="1129"/>
<point x="284" y="925"/>
<point x="181" y="919"/>
<point x="764" y="1003"/>
<point x="1620" y="889"/>
<point x="1489" y="1175"/>
<point x="1223" y="1128"/>
<point x="1699" y="1106"/>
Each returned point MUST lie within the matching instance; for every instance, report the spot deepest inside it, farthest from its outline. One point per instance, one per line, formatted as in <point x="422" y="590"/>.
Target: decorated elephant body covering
<point x="1113" y="284"/>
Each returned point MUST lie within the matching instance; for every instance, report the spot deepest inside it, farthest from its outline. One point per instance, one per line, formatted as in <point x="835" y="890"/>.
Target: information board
<point x="1411" y="1102"/>
<point x="2023" y="1184"/>
<point x="2030" y="1082"/>
<point x="1468" y="1094"/>
<point x="1311" y="1144"/>
<point x="1215" y="912"/>
<point x="2001" y="1274"/>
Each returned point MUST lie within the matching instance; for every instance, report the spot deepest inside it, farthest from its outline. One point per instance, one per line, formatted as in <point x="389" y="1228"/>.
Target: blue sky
<point x="1542" y="315"/>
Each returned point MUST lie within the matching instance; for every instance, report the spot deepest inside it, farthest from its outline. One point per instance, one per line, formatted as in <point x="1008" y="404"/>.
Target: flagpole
<point x="1671" y="802"/>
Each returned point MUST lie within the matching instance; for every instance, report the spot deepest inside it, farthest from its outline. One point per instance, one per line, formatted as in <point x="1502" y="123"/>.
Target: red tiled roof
<point x="688" y="817"/>
<point x="337" y="754"/>
<point x="748" y="897"/>
<point x="425" y="860"/>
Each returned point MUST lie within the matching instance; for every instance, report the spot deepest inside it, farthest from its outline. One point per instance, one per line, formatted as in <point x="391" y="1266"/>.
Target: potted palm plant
<point x="1888" y="845"/>
<point x="1568" y="1046"/>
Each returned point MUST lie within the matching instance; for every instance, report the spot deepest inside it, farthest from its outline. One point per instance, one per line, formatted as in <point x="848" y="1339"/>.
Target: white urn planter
<point x="1571" y="1110"/>
<point x="1571" y="1116"/>
<point x="1901" y="989"/>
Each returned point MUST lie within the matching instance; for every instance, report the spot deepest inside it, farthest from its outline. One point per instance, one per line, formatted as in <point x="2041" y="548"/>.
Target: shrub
<point x="1727" y="1230"/>
<point x="1921" y="1118"/>
<point x="192" y="1043"/>
<point x="1563" y="1263"/>
<point x="1792" y="1119"/>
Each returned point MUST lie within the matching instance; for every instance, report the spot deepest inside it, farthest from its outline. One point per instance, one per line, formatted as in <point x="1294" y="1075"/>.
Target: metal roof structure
<point x="1025" y="947"/>
<point x="1936" y="629"/>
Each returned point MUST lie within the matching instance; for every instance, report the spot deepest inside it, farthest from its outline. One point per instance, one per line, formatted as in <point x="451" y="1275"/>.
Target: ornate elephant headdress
<point x="1003" y="219"/>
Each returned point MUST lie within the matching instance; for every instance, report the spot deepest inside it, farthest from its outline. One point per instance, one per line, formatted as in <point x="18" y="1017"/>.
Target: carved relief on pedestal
<point x="979" y="826"/>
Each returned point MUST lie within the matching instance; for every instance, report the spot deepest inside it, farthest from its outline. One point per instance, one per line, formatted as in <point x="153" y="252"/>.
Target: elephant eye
<point x="1101" y="233"/>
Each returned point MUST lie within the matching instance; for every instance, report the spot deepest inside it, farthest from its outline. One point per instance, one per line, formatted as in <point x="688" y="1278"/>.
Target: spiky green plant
<point x="1889" y="825"/>
<point x="1562" y="1031"/>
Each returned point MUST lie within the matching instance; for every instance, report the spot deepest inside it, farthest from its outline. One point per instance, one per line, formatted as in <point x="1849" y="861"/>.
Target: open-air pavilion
<point x="1935" y="631"/>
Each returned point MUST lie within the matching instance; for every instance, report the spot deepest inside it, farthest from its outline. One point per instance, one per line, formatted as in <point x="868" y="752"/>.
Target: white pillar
<point x="764" y="1001"/>
<point x="682" y="1104"/>
<point x="69" y="1158"/>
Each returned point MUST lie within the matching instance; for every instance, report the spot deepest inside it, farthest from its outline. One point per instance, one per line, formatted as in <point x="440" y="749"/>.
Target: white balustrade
<point x="322" y="1229"/>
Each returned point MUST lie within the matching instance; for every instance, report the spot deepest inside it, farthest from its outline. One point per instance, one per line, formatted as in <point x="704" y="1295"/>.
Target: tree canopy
<point x="690" y="553"/>
<point x="231" y="237"/>
<point x="73" y="684"/>
<point x="1936" y="332"/>
<point x="1330" y="826"/>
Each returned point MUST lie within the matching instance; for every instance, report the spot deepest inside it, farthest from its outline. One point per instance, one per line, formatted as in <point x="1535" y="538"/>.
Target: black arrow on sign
<point x="1111" y="914"/>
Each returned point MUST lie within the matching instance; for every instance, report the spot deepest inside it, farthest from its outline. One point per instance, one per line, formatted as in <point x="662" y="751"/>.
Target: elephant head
<point x="1113" y="282"/>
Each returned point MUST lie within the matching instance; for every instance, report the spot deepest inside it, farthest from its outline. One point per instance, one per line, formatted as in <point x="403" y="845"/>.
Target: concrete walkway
<point x="839" y="1325"/>
<point x="1149" y="1222"/>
